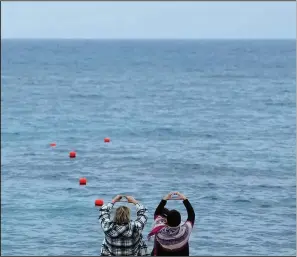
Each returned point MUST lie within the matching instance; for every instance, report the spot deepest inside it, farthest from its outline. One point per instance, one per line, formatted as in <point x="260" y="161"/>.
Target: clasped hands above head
<point x="130" y="199"/>
<point x="174" y="196"/>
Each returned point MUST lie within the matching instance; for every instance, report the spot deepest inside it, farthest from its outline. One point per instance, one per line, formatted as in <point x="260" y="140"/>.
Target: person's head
<point x="173" y="218"/>
<point x="122" y="215"/>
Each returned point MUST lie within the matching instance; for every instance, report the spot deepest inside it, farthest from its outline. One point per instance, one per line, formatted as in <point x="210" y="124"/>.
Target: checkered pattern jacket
<point x="126" y="239"/>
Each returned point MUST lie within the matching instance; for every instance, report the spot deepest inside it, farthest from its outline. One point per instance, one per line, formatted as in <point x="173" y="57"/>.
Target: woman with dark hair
<point x="172" y="237"/>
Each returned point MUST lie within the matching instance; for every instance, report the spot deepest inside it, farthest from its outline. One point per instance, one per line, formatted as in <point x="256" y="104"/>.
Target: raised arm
<point x="160" y="208"/>
<point x="190" y="211"/>
<point x="189" y="208"/>
<point x="104" y="217"/>
<point x="141" y="213"/>
<point x="162" y="204"/>
<point x="141" y="216"/>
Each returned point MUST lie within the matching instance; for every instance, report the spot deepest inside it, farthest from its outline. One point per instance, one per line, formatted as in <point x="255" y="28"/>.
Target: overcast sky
<point x="148" y="20"/>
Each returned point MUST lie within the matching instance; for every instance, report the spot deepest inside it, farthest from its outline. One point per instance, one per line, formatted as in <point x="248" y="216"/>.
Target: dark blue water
<point x="212" y="119"/>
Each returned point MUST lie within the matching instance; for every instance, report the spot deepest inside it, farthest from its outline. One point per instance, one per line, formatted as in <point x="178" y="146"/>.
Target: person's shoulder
<point x="188" y="224"/>
<point x="132" y="224"/>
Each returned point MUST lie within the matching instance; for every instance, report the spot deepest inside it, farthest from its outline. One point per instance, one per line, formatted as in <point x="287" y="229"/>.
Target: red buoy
<point x="72" y="154"/>
<point x="53" y="144"/>
<point x="82" y="181"/>
<point x="99" y="202"/>
<point x="106" y="140"/>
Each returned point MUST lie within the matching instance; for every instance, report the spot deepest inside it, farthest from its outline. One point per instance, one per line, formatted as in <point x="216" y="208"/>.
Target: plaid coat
<point x="126" y="239"/>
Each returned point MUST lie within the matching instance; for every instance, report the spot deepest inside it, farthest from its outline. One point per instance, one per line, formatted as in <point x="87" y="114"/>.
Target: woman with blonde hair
<point x="123" y="237"/>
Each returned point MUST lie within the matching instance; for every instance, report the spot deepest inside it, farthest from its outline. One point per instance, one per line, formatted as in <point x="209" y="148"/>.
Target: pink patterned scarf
<point x="159" y="223"/>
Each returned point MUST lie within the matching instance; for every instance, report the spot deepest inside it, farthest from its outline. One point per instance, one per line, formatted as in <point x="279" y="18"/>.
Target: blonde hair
<point x="122" y="215"/>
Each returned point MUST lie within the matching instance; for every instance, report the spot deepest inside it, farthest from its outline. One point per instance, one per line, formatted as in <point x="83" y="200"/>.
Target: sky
<point x="149" y="20"/>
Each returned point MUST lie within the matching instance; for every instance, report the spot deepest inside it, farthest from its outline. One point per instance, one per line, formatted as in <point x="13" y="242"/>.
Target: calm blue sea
<point x="214" y="120"/>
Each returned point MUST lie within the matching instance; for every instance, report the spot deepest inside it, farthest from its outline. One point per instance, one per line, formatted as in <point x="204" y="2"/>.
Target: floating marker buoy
<point x="82" y="181"/>
<point x="72" y="154"/>
<point x="106" y="140"/>
<point x="53" y="144"/>
<point x="99" y="202"/>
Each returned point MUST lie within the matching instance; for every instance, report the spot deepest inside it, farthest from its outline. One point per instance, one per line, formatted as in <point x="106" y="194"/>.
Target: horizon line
<point x="142" y="39"/>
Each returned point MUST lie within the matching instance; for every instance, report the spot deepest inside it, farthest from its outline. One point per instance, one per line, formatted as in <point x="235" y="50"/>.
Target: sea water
<point x="214" y="120"/>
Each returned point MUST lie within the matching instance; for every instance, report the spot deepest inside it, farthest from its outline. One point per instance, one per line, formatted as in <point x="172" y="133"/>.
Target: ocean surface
<point x="214" y="120"/>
